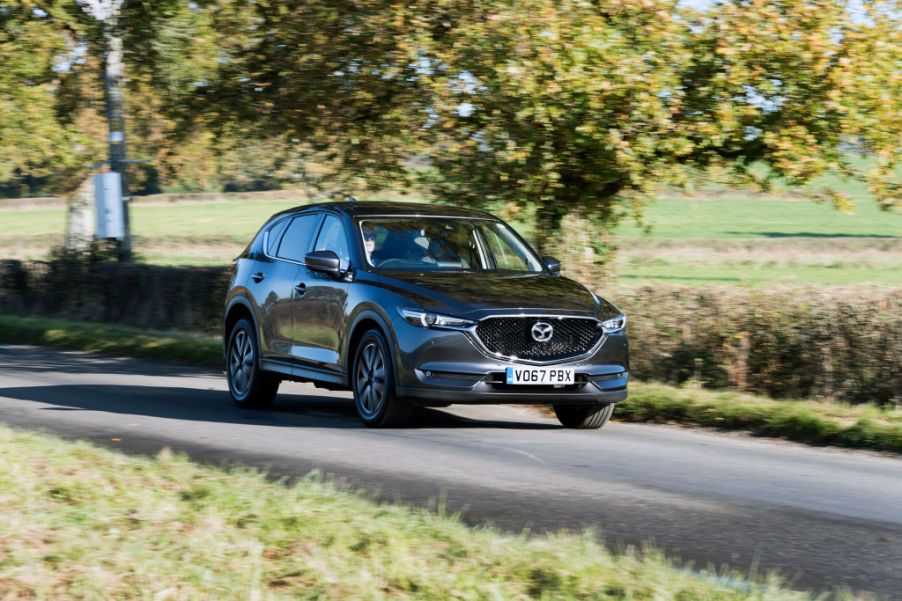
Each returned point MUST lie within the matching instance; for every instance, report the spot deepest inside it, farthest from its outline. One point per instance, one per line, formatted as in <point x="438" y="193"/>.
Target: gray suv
<point x="410" y="304"/>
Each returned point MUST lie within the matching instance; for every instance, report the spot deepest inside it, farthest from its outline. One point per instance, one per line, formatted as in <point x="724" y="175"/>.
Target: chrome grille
<point x="512" y="337"/>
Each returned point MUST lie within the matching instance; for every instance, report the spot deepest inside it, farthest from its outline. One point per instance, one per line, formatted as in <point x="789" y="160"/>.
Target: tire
<point x="584" y="417"/>
<point x="373" y="381"/>
<point x="249" y="387"/>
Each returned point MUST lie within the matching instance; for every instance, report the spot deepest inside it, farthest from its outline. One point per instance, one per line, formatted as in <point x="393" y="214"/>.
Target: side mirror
<point x="323" y="261"/>
<point x="553" y="265"/>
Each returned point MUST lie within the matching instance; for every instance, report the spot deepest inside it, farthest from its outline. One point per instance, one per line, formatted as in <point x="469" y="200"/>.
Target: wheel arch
<point x="237" y="308"/>
<point x="366" y="320"/>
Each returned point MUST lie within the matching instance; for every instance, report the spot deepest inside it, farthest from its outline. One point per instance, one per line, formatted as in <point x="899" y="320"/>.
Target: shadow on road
<point x="290" y="410"/>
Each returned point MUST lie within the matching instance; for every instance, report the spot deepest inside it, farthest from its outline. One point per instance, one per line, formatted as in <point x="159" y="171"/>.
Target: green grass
<point x="107" y="338"/>
<point x="79" y="522"/>
<point x="739" y="239"/>
<point x="819" y="422"/>
<point x="727" y="237"/>
<point x="233" y="219"/>
<point x="815" y="422"/>
<point x="752" y="273"/>
<point x="735" y="215"/>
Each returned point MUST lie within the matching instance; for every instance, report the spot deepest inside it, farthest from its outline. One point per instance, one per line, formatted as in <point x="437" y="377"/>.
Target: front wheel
<point x="373" y="380"/>
<point x="248" y="386"/>
<point x="584" y="417"/>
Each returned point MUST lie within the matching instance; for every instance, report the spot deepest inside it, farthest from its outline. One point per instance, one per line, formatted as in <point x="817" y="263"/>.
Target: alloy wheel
<point x="370" y="380"/>
<point x="241" y="363"/>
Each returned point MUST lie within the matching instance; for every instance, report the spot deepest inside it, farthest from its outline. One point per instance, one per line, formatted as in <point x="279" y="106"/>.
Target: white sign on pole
<point x="108" y="202"/>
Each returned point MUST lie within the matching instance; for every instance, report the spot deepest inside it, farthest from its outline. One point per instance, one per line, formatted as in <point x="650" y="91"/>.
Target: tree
<point x="794" y="84"/>
<point x="339" y="78"/>
<point x="588" y="106"/>
<point x="568" y="107"/>
<point x="563" y="105"/>
<point x="35" y="141"/>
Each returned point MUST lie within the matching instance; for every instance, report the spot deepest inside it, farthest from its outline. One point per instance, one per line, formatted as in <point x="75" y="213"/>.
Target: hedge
<point x="795" y="342"/>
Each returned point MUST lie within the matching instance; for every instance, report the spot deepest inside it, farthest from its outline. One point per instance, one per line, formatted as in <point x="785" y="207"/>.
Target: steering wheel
<point x="390" y="261"/>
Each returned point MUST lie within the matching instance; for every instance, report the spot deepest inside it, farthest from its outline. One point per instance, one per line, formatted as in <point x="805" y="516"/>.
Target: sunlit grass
<point x="83" y="522"/>
<point x="737" y="222"/>
<point x="737" y="216"/>
<point x="109" y="338"/>
<point x="820" y="422"/>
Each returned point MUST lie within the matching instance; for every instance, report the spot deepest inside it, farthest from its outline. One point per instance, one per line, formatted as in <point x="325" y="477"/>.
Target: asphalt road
<point x="824" y="518"/>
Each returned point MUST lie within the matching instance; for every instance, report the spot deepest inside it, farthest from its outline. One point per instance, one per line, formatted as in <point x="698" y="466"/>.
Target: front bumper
<point x="438" y="367"/>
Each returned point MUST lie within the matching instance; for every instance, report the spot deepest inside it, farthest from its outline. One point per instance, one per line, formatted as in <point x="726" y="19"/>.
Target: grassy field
<point x="817" y="422"/>
<point x="736" y="239"/>
<point x="81" y="522"/>
<point x="715" y="238"/>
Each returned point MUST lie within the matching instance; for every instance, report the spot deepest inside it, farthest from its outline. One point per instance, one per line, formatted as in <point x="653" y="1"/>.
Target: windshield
<point x="445" y="244"/>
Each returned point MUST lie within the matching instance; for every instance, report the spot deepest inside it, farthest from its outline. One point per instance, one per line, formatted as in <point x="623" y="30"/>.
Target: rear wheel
<point x="374" y="387"/>
<point x="248" y="385"/>
<point x="584" y="417"/>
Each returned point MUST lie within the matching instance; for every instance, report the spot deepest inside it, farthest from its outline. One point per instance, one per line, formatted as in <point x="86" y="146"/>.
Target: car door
<point x="277" y="280"/>
<point x="319" y="315"/>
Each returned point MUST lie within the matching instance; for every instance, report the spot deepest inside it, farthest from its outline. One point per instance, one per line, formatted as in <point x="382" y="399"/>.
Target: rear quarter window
<point x="274" y="236"/>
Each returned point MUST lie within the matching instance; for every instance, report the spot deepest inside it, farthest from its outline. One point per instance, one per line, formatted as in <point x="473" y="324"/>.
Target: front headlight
<point x="425" y="319"/>
<point x="614" y="325"/>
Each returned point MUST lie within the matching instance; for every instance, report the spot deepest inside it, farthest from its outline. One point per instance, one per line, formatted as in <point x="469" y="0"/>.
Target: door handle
<point x="301" y="289"/>
<point x="258" y="277"/>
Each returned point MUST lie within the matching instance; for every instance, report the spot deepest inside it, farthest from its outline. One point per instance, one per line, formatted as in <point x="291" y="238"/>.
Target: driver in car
<point x="369" y="242"/>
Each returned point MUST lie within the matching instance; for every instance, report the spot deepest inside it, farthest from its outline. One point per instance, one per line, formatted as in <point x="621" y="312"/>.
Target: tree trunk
<point x="80" y="221"/>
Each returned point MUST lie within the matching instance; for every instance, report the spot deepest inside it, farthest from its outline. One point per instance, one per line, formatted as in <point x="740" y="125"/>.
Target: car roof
<point x="372" y="208"/>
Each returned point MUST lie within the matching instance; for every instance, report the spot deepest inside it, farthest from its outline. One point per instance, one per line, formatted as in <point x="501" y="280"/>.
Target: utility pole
<point x="107" y="12"/>
<point x="114" y="68"/>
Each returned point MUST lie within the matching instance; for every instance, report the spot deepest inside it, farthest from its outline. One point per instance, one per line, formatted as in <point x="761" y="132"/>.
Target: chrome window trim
<point x="498" y="356"/>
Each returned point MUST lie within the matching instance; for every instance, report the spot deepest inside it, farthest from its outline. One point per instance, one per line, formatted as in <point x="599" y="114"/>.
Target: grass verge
<point x="815" y="422"/>
<point x="84" y="522"/>
<point x="99" y="337"/>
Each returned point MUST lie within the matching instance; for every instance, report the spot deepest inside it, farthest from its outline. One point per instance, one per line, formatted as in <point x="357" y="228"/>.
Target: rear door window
<point x="298" y="237"/>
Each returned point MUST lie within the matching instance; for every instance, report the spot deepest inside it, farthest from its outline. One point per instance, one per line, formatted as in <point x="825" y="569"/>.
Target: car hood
<point x="471" y="294"/>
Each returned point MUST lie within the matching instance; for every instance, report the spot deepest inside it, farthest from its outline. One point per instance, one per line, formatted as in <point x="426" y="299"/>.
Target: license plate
<point x="539" y="375"/>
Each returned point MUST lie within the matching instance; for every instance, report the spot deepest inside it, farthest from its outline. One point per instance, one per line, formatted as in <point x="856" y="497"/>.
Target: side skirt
<point x="319" y="377"/>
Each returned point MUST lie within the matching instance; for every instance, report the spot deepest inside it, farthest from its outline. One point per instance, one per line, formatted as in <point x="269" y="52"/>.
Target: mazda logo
<point x="542" y="332"/>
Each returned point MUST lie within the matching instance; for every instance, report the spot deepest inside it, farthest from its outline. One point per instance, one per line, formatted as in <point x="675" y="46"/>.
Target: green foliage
<point x="567" y="105"/>
<point x="586" y="108"/>
<point x="785" y="343"/>
<point x="34" y="139"/>
<point x="337" y="78"/>
<point x="81" y="287"/>
<point x="566" y="108"/>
